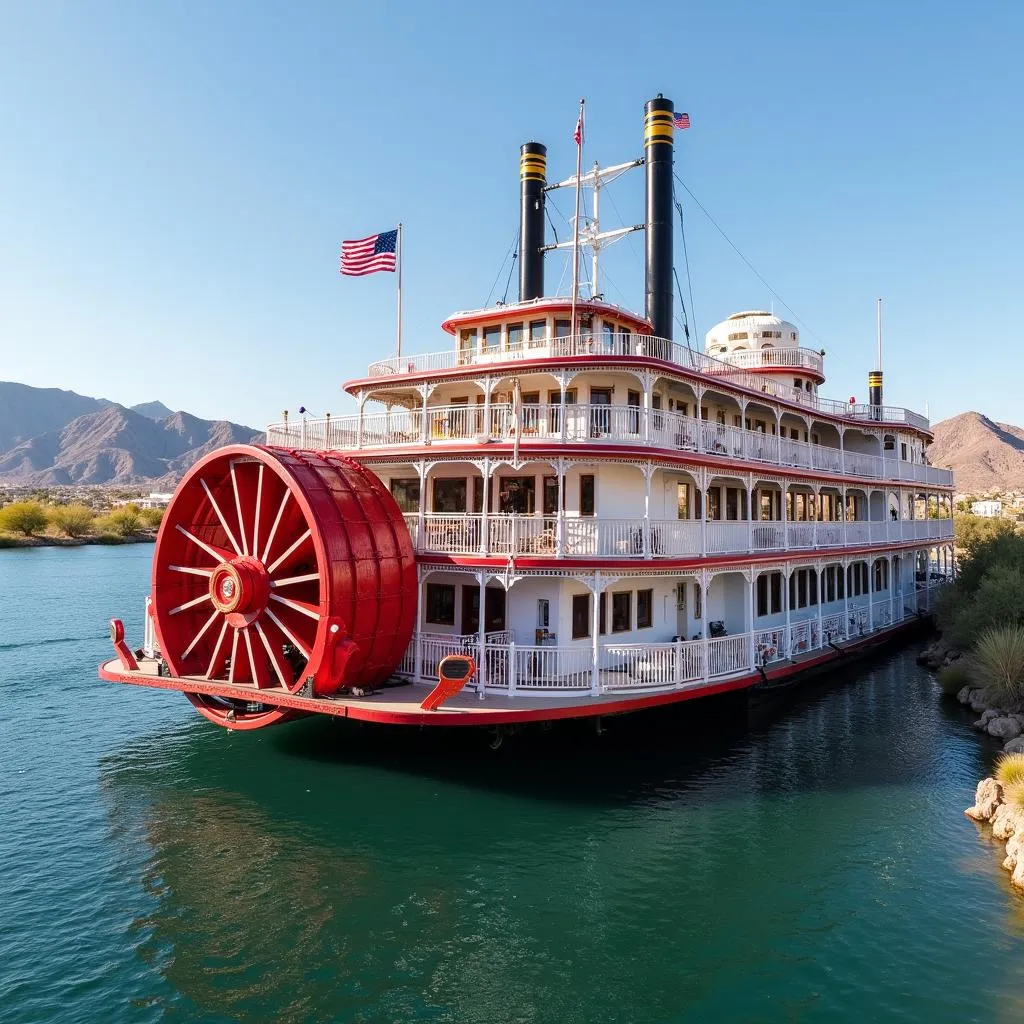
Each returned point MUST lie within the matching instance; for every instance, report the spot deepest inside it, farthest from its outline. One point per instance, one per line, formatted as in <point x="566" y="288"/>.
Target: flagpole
<point x="576" y="226"/>
<point x="398" y="352"/>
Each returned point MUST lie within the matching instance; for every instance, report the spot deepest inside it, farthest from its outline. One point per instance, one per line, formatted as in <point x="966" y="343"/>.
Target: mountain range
<point x="50" y="437"/>
<point x="984" y="455"/>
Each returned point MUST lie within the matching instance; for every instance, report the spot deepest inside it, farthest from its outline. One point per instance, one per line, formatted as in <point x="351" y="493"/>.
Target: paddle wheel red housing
<point x="281" y="569"/>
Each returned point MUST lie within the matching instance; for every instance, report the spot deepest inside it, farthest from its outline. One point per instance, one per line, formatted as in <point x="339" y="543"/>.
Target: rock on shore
<point x="1007" y="821"/>
<point x="1004" y="725"/>
<point x="937" y="655"/>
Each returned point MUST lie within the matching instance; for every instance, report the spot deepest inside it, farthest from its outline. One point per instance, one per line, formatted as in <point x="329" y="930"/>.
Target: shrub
<point x="998" y="601"/>
<point x="122" y="521"/>
<point x="953" y="678"/>
<point x="999" y="657"/>
<point x="1010" y="769"/>
<point x="152" y="517"/>
<point x="72" y="520"/>
<point x="25" y="517"/>
<point x="970" y="531"/>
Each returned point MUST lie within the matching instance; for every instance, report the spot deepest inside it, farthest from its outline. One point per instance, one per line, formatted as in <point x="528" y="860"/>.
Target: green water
<point x="815" y="866"/>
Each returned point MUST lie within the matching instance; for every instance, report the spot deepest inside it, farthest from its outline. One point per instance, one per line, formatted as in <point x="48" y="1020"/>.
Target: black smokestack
<point x="533" y="159"/>
<point x="658" y="127"/>
<point x="875" y="393"/>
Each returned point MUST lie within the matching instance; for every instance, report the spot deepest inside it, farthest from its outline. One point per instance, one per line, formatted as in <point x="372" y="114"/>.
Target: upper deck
<point x="511" y="337"/>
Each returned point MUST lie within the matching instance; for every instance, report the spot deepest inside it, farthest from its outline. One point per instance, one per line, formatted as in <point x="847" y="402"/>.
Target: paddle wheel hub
<point x="286" y="570"/>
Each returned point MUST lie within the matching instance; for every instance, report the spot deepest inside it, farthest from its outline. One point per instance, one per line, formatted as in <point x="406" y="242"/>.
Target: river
<point x="812" y="866"/>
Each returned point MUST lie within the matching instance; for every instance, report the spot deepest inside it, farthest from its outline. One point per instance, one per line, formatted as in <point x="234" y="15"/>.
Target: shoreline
<point x="11" y="542"/>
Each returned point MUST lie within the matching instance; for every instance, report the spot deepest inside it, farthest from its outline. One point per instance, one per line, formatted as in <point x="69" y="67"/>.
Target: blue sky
<point x="176" y="179"/>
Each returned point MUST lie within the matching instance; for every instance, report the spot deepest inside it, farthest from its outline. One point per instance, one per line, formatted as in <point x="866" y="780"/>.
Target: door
<point x="600" y="415"/>
<point x="494" y="610"/>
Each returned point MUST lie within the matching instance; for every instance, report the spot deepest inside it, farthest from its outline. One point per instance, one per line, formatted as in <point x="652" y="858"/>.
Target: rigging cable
<point x="512" y="267"/>
<point x="686" y="261"/>
<point x="751" y="266"/>
<point x="514" y="246"/>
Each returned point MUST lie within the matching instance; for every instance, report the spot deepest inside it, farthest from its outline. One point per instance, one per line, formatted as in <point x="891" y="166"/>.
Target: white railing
<point x="645" y="346"/>
<point x="615" y="668"/>
<point x="592" y="536"/>
<point x="575" y="424"/>
<point x="798" y="358"/>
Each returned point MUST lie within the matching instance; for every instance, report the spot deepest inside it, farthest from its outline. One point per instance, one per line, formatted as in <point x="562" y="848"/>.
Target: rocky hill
<point x="26" y="412"/>
<point x="154" y="410"/>
<point x="984" y="455"/>
<point x="108" y="444"/>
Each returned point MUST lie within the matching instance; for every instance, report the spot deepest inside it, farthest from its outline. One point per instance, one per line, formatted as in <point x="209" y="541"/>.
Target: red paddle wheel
<point x="279" y="569"/>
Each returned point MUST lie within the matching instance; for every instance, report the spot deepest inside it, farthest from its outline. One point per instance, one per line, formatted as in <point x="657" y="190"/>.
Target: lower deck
<point x="399" y="704"/>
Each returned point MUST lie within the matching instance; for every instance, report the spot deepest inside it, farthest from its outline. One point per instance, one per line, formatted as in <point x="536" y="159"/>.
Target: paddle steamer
<point x="599" y="516"/>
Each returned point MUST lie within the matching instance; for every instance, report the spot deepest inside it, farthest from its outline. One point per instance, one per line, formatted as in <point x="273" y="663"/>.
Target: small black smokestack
<point x="533" y="160"/>
<point x="658" y="150"/>
<point x="875" y="393"/>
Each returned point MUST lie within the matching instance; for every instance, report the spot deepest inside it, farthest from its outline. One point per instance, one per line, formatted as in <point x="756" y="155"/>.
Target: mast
<point x="875" y="376"/>
<point x="398" y="346"/>
<point x="576" y="224"/>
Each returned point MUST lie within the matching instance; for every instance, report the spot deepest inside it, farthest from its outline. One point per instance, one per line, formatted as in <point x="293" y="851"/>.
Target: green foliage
<point x="998" y="601"/>
<point x="151" y="517"/>
<point x="122" y="522"/>
<point x="999" y="657"/>
<point x="970" y="531"/>
<point x="71" y="520"/>
<point x="953" y="678"/>
<point x="1010" y="769"/>
<point x="24" y="517"/>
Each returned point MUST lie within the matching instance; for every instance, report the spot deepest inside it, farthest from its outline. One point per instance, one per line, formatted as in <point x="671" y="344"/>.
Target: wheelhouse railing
<point x="643" y="346"/>
<point x="794" y="358"/>
<point x="589" y="424"/>
<point x="608" y="668"/>
<point x="600" y="537"/>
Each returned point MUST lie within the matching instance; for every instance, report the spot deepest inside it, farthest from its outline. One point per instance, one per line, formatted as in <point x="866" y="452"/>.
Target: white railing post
<point x="512" y="668"/>
<point x="679" y="664"/>
<point x="417" y="659"/>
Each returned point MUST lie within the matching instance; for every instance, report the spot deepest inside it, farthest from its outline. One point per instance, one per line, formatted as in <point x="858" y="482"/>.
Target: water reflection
<point x="796" y="869"/>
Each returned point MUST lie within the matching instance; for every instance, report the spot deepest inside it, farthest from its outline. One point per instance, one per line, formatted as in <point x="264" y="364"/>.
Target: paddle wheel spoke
<point x="301" y="645"/>
<point x="278" y="662"/>
<point x="310" y="610"/>
<point x="257" y="663"/>
<point x="218" y="555"/>
<point x="220" y="653"/>
<point x="238" y="507"/>
<point x="309" y="576"/>
<point x="259" y="508"/>
<point x="189" y="604"/>
<point x="214" y="616"/>
<point x="220" y="516"/>
<point x="273" y="529"/>
<point x="192" y="570"/>
<point x="298" y="542"/>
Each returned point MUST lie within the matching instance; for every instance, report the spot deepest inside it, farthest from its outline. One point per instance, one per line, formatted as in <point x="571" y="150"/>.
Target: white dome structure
<point x="764" y="343"/>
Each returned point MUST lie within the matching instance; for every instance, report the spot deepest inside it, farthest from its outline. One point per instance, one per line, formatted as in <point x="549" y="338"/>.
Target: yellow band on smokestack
<point x="532" y="167"/>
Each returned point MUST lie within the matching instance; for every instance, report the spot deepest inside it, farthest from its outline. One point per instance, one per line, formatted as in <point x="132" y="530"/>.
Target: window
<point x="633" y="404"/>
<point x="903" y="451"/>
<point x="450" y="495"/>
<point x="406" y="492"/>
<point x="798" y="382"/>
<point x="881" y="575"/>
<point x="517" y="495"/>
<point x="551" y="495"/>
<point x="812" y="586"/>
<point x="587" y="494"/>
<point x="515" y="337"/>
<point x="739" y="336"/>
<point x="467" y="344"/>
<point x="720" y="416"/>
<point x="769" y="594"/>
<point x="555" y="401"/>
<point x="580" y="616"/>
<point x="857" y="581"/>
<point x="682" y="501"/>
<point x="492" y="338"/>
<point x="698" y="608"/>
<point x="441" y="604"/>
<point x="478" y="493"/>
<point x="889" y="443"/>
<point x="543" y="613"/>
<point x="538" y="333"/>
<point x="622" y="612"/>
<point x="563" y="328"/>
<point x="714" y="503"/>
<point x="732" y="503"/>
<point x="644" y="609"/>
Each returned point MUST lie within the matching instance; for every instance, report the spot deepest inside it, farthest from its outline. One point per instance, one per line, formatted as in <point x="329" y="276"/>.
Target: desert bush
<point x="151" y="517"/>
<point x="970" y="531"/>
<point x="71" y="520"/>
<point x="24" y="517"/>
<point x="122" y="522"/>
<point x="953" y="678"/>
<point x="999" y="658"/>
<point x="1010" y="769"/>
<point x="997" y="601"/>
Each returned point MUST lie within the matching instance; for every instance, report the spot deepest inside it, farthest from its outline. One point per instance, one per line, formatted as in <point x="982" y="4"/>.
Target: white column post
<point x="871" y="595"/>
<point x="785" y="604"/>
<point x="648" y="474"/>
<point x="563" y="380"/>
<point x="749" y="616"/>
<point x="595" y="628"/>
<point x="481" y="665"/>
<point x="648" y="382"/>
<point x="819" y="570"/>
<point x="701" y="482"/>
<point x="417" y="662"/>
<point x="485" y="506"/>
<point x="359" y="426"/>
<point x="423" y="427"/>
<point x="488" y="432"/>
<point x="699" y="440"/>
<point x="704" y="582"/>
<point x="842" y="454"/>
<point x="785" y="513"/>
<point x="843" y="566"/>
<point x="750" y="513"/>
<point x="421" y="525"/>
<point x="560" y="520"/>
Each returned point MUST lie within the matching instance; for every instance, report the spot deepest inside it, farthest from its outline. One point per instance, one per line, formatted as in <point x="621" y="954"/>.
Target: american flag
<point x="681" y="120"/>
<point x="368" y="255"/>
